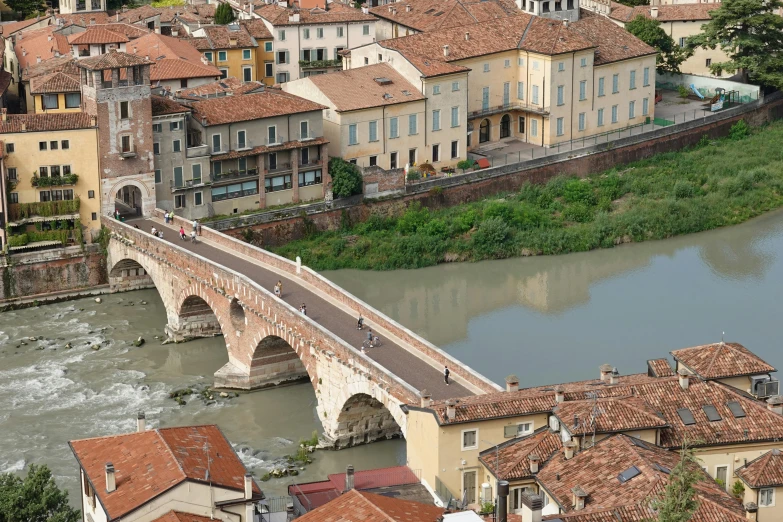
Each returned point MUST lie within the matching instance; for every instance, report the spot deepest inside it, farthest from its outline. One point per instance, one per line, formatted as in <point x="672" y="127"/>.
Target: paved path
<point x="396" y="359"/>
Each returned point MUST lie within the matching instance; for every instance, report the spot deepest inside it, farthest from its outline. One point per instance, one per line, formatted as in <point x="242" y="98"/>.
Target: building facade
<point x="230" y="48"/>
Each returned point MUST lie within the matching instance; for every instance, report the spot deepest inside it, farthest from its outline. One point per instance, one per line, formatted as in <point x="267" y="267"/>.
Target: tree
<point x="670" y="55"/>
<point x="346" y="178"/>
<point x="26" y="8"/>
<point x="224" y="14"/>
<point x="679" y="501"/>
<point x="36" y="498"/>
<point x="750" y="32"/>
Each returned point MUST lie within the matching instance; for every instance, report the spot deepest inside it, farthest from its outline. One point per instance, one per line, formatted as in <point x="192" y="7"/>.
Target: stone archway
<point x="364" y="419"/>
<point x="274" y="362"/>
<point x="134" y="192"/>
<point x="127" y="275"/>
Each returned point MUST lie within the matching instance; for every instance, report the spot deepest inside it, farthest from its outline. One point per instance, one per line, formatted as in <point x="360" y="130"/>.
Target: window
<point x="42" y="145"/>
<point x="615" y="83"/>
<point x="632" y="80"/>
<point x="319" y="32"/>
<point x="600" y="86"/>
<point x="766" y="497"/>
<point x="560" y="67"/>
<point x="45" y="195"/>
<point x="306" y="33"/>
<point x="208" y="56"/>
<point x="521" y="124"/>
<point x="455" y="116"/>
<point x="506" y="93"/>
<point x="43" y="172"/>
<point x="645" y="106"/>
<point x="179" y="201"/>
<point x="268" y="73"/>
<point x="507" y="64"/>
<point x="268" y="47"/>
<point x="535" y="65"/>
<point x="393" y="128"/>
<point x="175" y="125"/>
<point x="217" y="167"/>
<point x="73" y="100"/>
<point x="282" y="56"/>
<point x="721" y="474"/>
<point x="581" y="121"/>
<point x="12" y="174"/>
<point x="216" y="143"/>
<point x="352" y="139"/>
<point x="304" y="129"/>
<point x="366" y="61"/>
<point x="373" y="128"/>
<point x="454" y="86"/>
<point x="560" y="93"/>
<point x="366" y="30"/>
<point x="222" y="56"/>
<point x="683" y="41"/>
<point x="54" y="171"/>
<point x="436" y="89"/>
<point x="708" y="62"/>
<point x="156" y="148"/>
<point x="412" y="125"/>
<point x="282" y="77"/>
<point x="631" y="110"/>
<point x="241" y="139"/>
<point x="486" y="67"/>
<point x="178" y="177"/>
<point x="583" y="62"/>
<point x="126" y="143"/>
<point x="274" y="184"/>
<point x="198" y="198"/>
<point x="314" y="177"/>
<point x="53" y="145"/>
<point x="435" y="153"/>
<point x="373" y="161"/>
<point x="271" y="134"/>
<point x="13" y="197"/>
<point x="646" y="77"/>
<point x="560" y="126"/>
<point x="412" y="156"/>
<point x="281" y="34"/>
<point x="157" y="127"/>
<point x="124" y="110"/>
<point x="9" y="147"/>
<point x="196" y="171"/>
<point x="454" y="149"/>
<point x="485" y="98"/>
<point x="393" y="160"/>
<point x="614" y="113"/>
<point x="223" y="72"/>
<point x="94" y="216"/>
<point x="436" y="120"/>
<point x="521" y="62"/>
<point x="535" y="94"/>
<point x="157" y="177"/>
<point x="534" y="127"/>
<point x="50" y="101"/>
<point x="176" y="146"/>
<point x="66" y="170"/>
<point x="469" y="439"/>
<point x="600" y="117"/>
<point x="340" y="32"/>
<point x="583" y="90"/>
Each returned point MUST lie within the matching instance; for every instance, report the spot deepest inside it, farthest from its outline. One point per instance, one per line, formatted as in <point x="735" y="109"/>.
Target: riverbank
<point x="717" y="183"/>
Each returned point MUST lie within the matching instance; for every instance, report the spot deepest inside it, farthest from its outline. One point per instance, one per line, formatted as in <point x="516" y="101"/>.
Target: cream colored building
<point x="377" y="117"/>
<point x="763" y="481"/>
<point x="534" y="79"/>
<point x="144" y="476"/>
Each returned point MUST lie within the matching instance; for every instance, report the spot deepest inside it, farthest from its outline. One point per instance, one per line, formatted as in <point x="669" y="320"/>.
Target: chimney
<point x="451" y="410"/>
<point x="445" y="50"/>
<point x="751" y="511"/>
<point x="568" y="449"/>
<point x="533" y="458"/>
<point x="684" y="378"/>
<point x="579" y="497"/>
<point x="4" y="113"/>
<point x="24" y="126"/>
<point x="232" y="41"/>
<point x="38" y="59"/>
<point x="512" y="383"/>
<point x="141" y="422"/>
<point x="606" y="371"/>
<point x="92" y="21"/>
<point x="426" y="399"/>
<point x="118" y="16"/>
<point x="111" y="484"/>
<point x="157" y="30"/>
<point x="248" y="486"/>
<point x="559" y="394"/>
<point x="532" y="506"/>
<point x="174" y="31"/>
<point x="467" y="36"/>
<point x="49" y="38"/>
<point x="502" y="501"/>
<point x="93" y="121"/>
<point x="654" y="12"/>
<point x="24" y="51"/>
<point x="349" y="478"/>
<point x="394" y="10"/>
<point x="390" y="9"/>
<point x="614" y="378"/>
<point x="407" y="8"/>
<point x="565" y="23"/>
<point x="365" y="9"/>
<point x="775" y="404"/>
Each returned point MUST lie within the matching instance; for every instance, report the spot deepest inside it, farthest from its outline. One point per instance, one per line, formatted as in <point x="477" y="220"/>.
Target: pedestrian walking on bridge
<point x="446" y="373"/>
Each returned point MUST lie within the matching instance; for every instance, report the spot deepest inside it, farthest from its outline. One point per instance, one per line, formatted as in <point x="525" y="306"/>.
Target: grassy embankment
<point x="714" y="184"/>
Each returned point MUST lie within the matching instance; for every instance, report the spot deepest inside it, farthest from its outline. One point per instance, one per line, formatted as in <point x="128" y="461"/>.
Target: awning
<point x="41" y="219"/>
<point x="35" y="244"/>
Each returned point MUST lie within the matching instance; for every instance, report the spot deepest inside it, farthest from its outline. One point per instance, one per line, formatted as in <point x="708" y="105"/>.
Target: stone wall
<point x="55" y="271"/>
<point x="378" y="181"/>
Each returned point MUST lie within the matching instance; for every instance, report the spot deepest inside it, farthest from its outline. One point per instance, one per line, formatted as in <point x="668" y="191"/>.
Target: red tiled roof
<point x="257" y="29"/>
<point x="45" y="122"/>
<point x="511" y="460"/>
<point x="45" y="42"/>
<point x="131" y="31"/>
<point x="178" y="516"/>
<point x="763" y="472"/>
<point x="55" y="82"/>
<point x="96" y="35"/>
<point x="267" y="104"/>
<point x="220" y="37"/>
<point x="337" y="13"/>
<point x="11" y="27"/>
<point x="660" y="368"/>
<point x="173" y="58"/>
<point x="148" y="464"/>
<point x="355" y="506"/>
<point x="162" y="105"/>
<point x="666" y="13"/>
<point x="428" y="15"/>
<point x="229" y="85"/>
<point x="85" y="19"/>
<point x="614" y="43"/>
<point x="261" y="149"/>
<point x="609" y="415"/>
<point x="66" y="64"/>
<point x="721" y="360"/>
<point x="111" y="60"/>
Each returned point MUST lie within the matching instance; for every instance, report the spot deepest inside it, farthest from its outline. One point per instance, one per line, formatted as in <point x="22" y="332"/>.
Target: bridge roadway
<point x="395" y="358"/>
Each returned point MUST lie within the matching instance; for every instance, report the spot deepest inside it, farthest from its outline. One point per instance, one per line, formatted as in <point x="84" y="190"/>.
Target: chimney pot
<point x="407" y="8"/>
<point x="533" y="458"/>
<point x="559" y="394"/>
<point x="349" y="477"/>
<point x="4" y="113"/>
<point x="565" y="22"/>
<point x="512" y="383"/>
<point x="614" y="379"/>
<point x="141" y="422"/>
<point x="503" y="489"/>
<point x="38" y="59"/>
<point x="451" y="410"/>
<point x="532" y="507"/>
<point x="653" y="12"/>
<point x="569" y="447"/>
<point x="684" y="378"/>
<point x="111" y="483"/>
<point x="606" y="371"/>
<point x="426" y="399"/>
<point x="248" y="486"/>
<point x="579" y="497"/>
<point x="467" y="35"/>
<point x="445" y="50"/>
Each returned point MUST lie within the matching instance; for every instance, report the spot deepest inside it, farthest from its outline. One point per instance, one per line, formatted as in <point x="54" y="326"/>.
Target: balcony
<point x="320" y="64"/>
<point x="519" y="105"/>
<point x="233" y="174"/>
<point x="307" y="136"/>
<point x="24" y="211"/>
<point x="310" y="163"/>
<point x="278" y="139"/>
<point x="54" y="181"/>
<point x="128" y="154"/>
<point x="190" y="183"/>
<point x="280" y="167"/>
<point x="197" y="151"/>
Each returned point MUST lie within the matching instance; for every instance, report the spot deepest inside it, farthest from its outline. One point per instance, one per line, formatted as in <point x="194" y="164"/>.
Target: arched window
<point x="484" y="131"/>
<point x="505" y="126"/>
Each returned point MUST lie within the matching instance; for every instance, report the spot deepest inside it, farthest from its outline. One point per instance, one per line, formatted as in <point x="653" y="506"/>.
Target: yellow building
<point x="50" y="164"/>
<point x="230" y="48"/>
<point x="53" y="93"/>
<point x="265" y="53"/>
<point x="763" y="481"/>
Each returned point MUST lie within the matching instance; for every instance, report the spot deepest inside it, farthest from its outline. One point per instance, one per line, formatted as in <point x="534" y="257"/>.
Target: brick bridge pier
<point x="221" y="286"/>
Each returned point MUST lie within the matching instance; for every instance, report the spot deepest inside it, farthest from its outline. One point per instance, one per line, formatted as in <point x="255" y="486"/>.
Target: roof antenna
<point x="208" y="478"/>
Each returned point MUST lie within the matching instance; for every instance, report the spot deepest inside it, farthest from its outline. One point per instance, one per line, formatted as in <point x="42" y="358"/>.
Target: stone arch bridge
<point x="222" y="285"/>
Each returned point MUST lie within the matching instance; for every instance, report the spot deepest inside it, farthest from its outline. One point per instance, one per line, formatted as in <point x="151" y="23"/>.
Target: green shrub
<point x="683" y="190"/>
<point x="346" y="177"/>
<point x="491" y="236"/>
<point x="466" y="220"/>
<point x="604" y="204"/>
<point x="683" y="91"/>
<point x="739" y="130"/>
<point x="578" y="213"/>
<point x="413" y="175"/>
<point x="577" y="191"/>
<point x="465" y="164"/>
<point x="499" y="209"/>
<point x="436" y="227"/>
<point x="414" y="218"/>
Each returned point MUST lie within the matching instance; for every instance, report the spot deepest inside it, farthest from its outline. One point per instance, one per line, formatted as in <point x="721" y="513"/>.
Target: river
<point x="545" y="319"/>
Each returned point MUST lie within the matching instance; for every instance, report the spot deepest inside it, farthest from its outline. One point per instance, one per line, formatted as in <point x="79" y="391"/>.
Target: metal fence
<point x="445" y="496"/>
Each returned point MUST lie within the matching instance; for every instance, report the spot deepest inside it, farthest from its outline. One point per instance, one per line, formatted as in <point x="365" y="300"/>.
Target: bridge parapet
<point x="459" y="371"/>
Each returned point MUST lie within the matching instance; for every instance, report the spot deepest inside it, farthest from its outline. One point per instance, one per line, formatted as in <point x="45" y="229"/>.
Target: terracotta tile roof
<point x="257" y="29"/>
<point x="12" y="27"/>
<point x="45" y="122"/>
<point x="173" y="58"/>
<point x="337" y="13"/>
<point x="96" y="35"/>
<point x="763" y="472"/>
<point x="131" y="31"/>
<point x="204" y="13"/>
<point x="512" y="457"/>
<point x="220" y="36"/>
<point x="139" y="14"/>
<point x="46" y="43"/>
<point x="148" y="464"/>
<point x="162" y="105"/>
<point x="199" y="42"/>
<point x="174" y="69"/>
<point x="225" y="86"/>
<point x="356" y="89"/>
<point x="178" y="516"/>
<point x="666" y="13"/>
<point x="614" y="43"/>
<point x="596" y="471"/>
<point x="261" y="149"/>
<point x="614" y="414"/>
<point x="369" y="507"/>
<point x="66" y="64"/>
<point x="660" y="368"/>
<point x="85" y="19"/>
<point x="720" y="360"/>
<point x="111" y="60"/>
<point x="267" y="104"/>
<point x="55" y="82"/>
<point x="429" y="15"/>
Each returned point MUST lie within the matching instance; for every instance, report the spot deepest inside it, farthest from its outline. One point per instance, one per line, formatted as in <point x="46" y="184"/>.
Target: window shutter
<point x="509" y="432"/>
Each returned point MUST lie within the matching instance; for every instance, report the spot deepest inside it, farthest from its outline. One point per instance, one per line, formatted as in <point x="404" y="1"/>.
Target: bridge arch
<point x="364" y="419"/>
<point x="274" y="362"/>
<point x="129" y="192"/>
